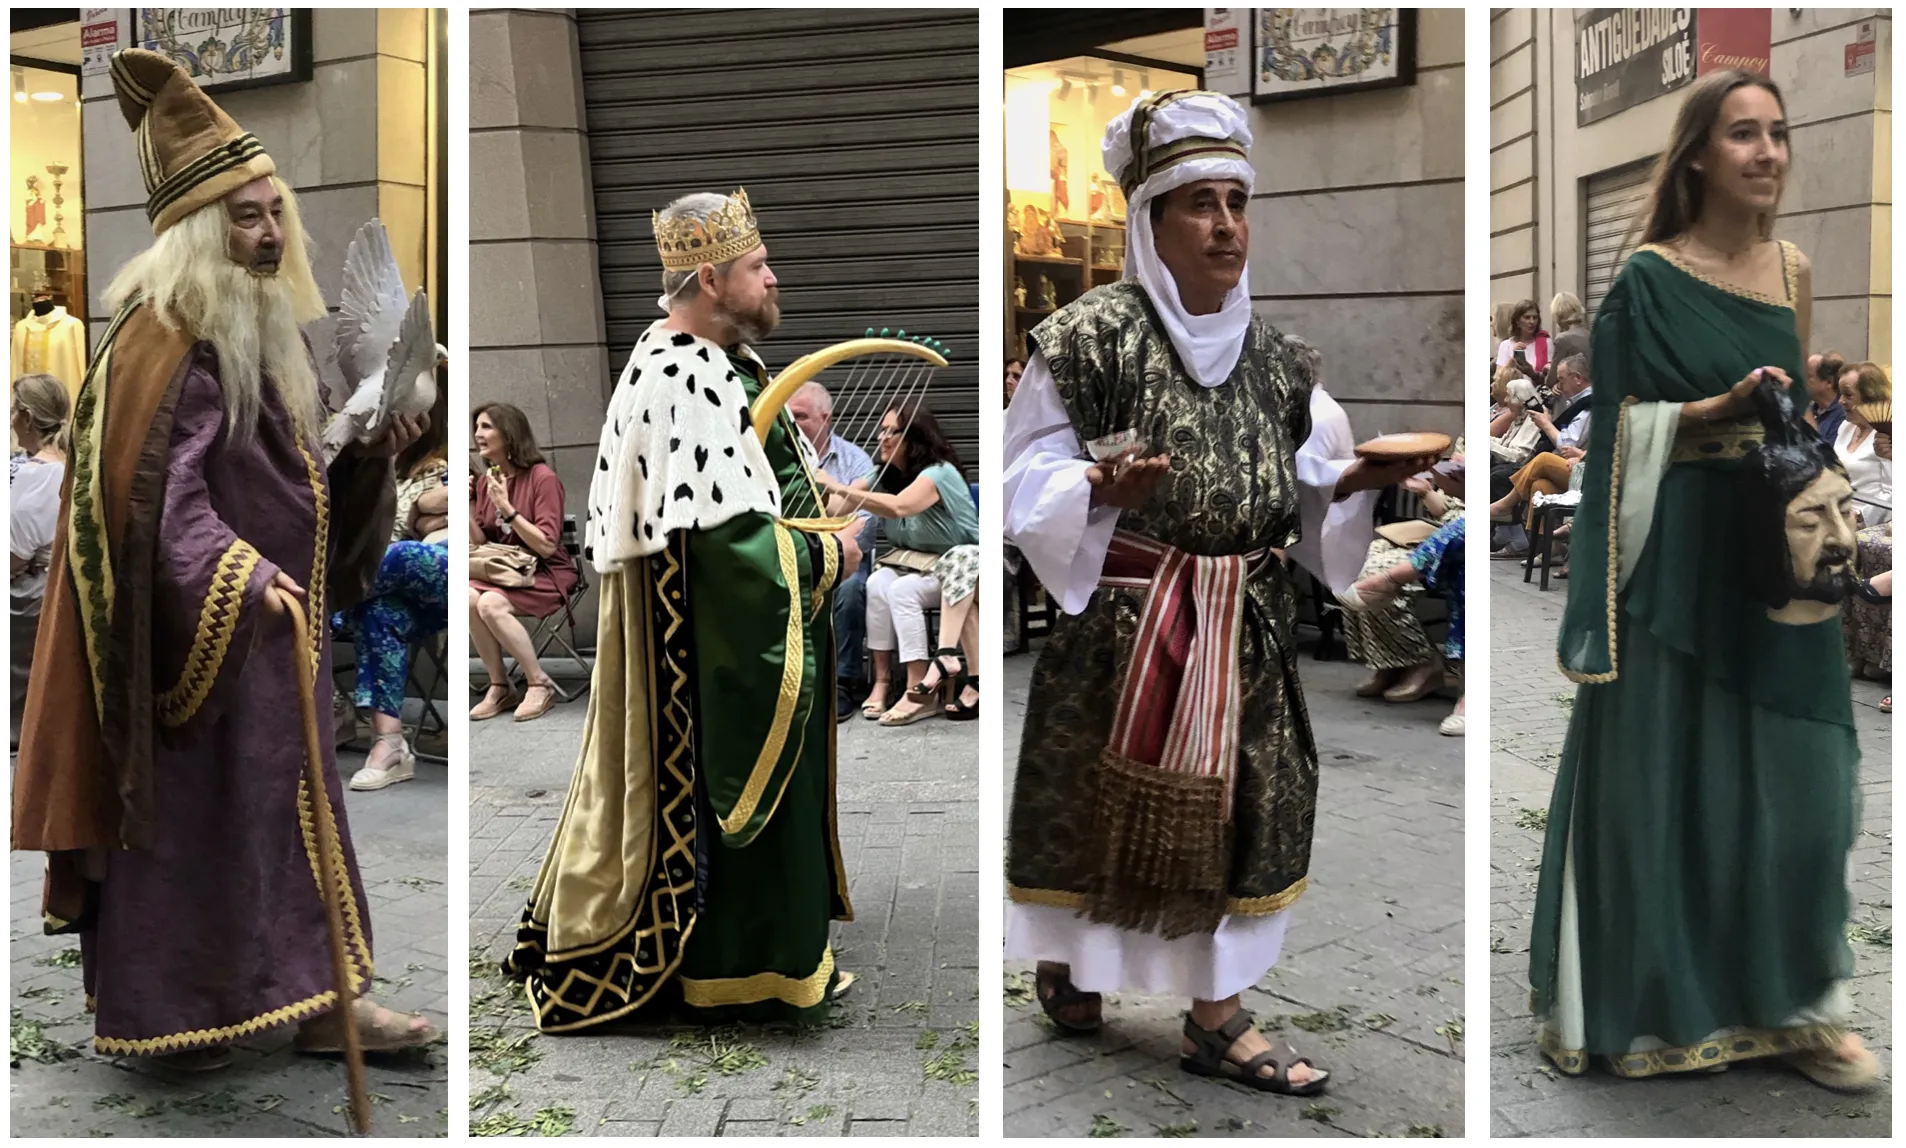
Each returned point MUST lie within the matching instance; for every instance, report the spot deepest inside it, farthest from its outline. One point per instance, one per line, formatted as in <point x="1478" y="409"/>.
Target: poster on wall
<point x="1227" y="51"/>
<point x="1740" y="38"/>
<point x="1628" y="56"/>
<point x="98" y="39"/>
<point x="1304" y="52"/>
<point x="226" y="49"/>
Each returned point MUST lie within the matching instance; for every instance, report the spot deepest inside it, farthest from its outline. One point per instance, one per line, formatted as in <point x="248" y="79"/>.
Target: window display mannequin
<point x="50" y="342"/>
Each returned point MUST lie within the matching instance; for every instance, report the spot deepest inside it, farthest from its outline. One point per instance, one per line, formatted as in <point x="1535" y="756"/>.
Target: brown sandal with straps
<point x="1212" y="1058"/>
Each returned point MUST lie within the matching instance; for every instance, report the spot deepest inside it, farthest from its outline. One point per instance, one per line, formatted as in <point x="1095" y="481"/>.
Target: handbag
<point x="510" y="567"/>
<point x="1408" y="535"/>
<point x="913" y="561"/>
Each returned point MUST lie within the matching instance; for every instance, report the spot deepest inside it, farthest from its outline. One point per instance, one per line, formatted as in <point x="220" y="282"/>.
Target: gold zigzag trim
<point x="353" y="924"/>
<point x="180" y="1041"/>
<point x="315" y="617"/>
<point x="803" y="992"/>
<point x="1789" y="267"/>
<point x="1241" y="906"/>
<point x="218" y="621"/>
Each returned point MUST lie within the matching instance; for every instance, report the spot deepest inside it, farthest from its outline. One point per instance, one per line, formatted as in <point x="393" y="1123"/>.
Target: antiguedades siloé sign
<point x="1628" y="56"/>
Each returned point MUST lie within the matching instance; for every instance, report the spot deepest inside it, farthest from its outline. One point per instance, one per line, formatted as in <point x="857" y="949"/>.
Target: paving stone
<point x="1529" y="715"/>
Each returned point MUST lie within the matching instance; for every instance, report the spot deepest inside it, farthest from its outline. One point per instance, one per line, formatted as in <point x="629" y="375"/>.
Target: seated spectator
<point x="408" y="602"/>
<point x="1552" y="472"/>
<point x="812" y="409"/>
<point x="517" y="502"/>
<point x="1824" y="411"/>
<point x="1519" y="429"/>
<point x="1389" y="639"/>
<point x="1571" y="339"/>
<point x="1876" y="591"/>
<point x="41" y="409"/>
<point x="1866" y="454"/>
<point x="1438" y="565"/>
<point x="928" y="511"/>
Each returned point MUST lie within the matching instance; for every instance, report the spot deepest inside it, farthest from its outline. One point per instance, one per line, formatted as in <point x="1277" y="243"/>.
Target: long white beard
<point x="254" y="328"/>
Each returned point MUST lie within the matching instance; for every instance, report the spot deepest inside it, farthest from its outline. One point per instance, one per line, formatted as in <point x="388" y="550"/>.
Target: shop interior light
<point x="48" y="97"/>
<point x="1118" y="82"/>
<point x="19" y="86"/>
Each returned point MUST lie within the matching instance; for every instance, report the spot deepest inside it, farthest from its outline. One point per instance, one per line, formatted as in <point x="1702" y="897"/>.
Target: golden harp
<point x="883" y="371"/>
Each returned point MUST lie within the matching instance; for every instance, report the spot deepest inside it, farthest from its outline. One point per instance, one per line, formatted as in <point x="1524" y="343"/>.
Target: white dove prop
<point x="384" y="344"/>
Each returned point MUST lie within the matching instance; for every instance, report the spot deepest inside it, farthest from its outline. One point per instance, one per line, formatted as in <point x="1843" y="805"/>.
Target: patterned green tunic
<point x="1232" y="489"/>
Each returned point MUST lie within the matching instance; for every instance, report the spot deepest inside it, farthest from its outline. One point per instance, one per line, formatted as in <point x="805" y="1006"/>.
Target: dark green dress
<point x="1693" y="894"/>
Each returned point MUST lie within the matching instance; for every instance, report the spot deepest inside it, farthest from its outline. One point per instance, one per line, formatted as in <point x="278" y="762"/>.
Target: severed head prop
<point x="1797" y="506"/>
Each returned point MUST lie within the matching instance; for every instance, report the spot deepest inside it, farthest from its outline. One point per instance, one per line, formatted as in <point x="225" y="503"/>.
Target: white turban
<point x="1165" y="141"/>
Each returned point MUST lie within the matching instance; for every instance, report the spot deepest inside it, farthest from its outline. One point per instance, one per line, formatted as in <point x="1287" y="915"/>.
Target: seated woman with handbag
<point x="929" y="511"/>
<point x="517" y="561"/>
<point x="408" y="602"/>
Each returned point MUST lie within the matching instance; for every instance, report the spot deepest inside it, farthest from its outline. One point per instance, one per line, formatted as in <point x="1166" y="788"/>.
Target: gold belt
<point x="1716" y="441"/>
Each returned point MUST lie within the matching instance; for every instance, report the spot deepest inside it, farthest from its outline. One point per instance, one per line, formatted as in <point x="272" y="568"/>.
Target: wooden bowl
<point x="1397" y="447"/>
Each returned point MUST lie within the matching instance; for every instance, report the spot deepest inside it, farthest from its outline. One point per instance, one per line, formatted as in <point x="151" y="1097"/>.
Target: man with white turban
<point x="1167" y="780"/>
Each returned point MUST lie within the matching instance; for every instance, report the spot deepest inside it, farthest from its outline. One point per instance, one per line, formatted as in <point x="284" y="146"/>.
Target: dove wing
<point x="371" y="305"/>
<point x="413" y="354"/>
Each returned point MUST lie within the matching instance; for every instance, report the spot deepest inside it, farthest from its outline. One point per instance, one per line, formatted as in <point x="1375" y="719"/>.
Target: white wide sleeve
<point x="1048" y="511"/>
<point x="1336" y="534"/>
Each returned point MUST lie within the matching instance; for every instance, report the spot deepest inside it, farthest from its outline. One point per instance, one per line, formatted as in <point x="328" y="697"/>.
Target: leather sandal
<point x="921" y="692"/>
<point x="529" y="711"/>
<point x="871" y="710"/>
<point x="957" y="709"/>
<point x="1058" y="994"/>
<point x="379" y="1029"/>
<point x="1212" y="1058"/>
<point x="491" y="705"/>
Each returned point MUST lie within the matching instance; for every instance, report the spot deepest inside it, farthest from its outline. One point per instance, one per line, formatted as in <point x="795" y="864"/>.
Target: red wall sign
<point x="1733" y="38"/>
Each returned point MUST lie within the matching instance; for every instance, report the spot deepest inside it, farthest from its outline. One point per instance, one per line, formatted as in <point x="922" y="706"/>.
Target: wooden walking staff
<point x="328" y="847"/>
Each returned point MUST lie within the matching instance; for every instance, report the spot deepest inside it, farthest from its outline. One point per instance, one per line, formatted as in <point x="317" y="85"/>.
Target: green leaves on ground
<point x="30" y="1042"/>
<point x="1104" y="1127"/>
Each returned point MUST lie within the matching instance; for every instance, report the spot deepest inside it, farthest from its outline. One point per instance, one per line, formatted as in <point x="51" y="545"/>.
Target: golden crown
<point x="687" y="243"/>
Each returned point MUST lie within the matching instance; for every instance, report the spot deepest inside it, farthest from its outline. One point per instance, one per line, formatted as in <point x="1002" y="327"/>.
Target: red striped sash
<point x="1178" y="708"/>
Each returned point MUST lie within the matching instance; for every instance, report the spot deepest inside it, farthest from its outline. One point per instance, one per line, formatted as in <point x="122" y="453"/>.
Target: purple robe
<point x="218" y="931"/>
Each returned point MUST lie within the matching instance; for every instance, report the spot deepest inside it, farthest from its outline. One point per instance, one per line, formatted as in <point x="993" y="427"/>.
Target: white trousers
<point x="897" y="603"/>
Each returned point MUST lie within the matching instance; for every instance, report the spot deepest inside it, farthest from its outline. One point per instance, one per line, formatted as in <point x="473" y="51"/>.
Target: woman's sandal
<point x="872" y="710"/>
<point x="1830" y="1070"/>
<point x="492" y="705"/>
<point x="1212" y="1058"/>
<point x="379" y="1029"/>
<point x="957" y="709"/>
<point x="1058" y="994"/>
<point x="920" y="692"/>
<point x="528" y="712"/>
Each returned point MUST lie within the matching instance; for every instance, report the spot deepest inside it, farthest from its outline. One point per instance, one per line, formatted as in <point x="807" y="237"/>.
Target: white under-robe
<point x="1049" y="517"/>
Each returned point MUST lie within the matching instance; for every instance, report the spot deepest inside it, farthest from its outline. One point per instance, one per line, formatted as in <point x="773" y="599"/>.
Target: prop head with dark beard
<point x="1798" y="507"/>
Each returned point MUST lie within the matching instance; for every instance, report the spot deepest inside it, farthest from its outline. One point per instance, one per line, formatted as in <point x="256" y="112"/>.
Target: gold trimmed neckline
<point x="1788" y="268"/>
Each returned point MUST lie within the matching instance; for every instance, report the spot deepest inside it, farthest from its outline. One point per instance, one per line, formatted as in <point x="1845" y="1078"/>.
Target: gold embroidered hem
<point x="353" y="924"/>
<point x="218" y="622"/>
<point x="805" y="992"/>
<point x="1233" y="906"/>
<point x="1750" y="1044"/>
<point x="199" y="1038"/>
<point x="1614" y="564"/>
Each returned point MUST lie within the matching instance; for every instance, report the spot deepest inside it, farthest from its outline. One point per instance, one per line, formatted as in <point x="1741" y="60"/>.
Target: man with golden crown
<point x="697" y="860"/>
<point x="1167" y="781"/>
<point x="158" y="768"/>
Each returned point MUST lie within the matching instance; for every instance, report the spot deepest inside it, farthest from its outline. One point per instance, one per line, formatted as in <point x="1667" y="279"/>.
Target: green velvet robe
<point x="697" y="860"/>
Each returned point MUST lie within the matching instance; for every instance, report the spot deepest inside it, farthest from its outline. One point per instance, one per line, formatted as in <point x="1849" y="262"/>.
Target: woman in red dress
<point x="517" y="502"/>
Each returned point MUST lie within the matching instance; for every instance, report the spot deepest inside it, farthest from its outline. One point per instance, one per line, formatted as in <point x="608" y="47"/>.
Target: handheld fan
<point x="882" y="371"/>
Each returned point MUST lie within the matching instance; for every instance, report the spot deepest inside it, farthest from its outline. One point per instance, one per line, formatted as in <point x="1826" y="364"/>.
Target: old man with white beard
<point x="1166" y="789"/>
<point x="161" y="763"/>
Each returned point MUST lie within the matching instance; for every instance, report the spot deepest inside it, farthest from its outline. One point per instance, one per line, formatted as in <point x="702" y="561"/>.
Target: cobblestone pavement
<point x="900" y="1057"/>
<point x="60" y="1087"/>
<point x="1529" y="702"/>
<point x="1370" y="984"/>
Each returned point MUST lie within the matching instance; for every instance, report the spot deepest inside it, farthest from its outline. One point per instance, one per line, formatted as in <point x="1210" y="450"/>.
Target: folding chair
<point x="559" y="628"/>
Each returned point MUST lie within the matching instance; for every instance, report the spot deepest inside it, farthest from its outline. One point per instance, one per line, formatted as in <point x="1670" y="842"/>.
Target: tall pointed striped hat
<point x="190" y="152"/>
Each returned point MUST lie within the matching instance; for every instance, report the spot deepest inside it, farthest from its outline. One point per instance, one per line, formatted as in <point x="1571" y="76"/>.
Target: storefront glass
<point x="1066" y="214"/>
<point x="45" y="220"/>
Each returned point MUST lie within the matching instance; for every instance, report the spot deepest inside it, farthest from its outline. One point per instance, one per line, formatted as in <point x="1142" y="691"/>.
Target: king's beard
<point x="252" y="321"/>
<point x="750" y="327"/>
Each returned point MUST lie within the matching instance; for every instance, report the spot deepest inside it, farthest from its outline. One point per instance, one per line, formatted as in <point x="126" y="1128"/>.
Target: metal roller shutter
<point x="1614" y="199"/>
<point x="856" y="133"/>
